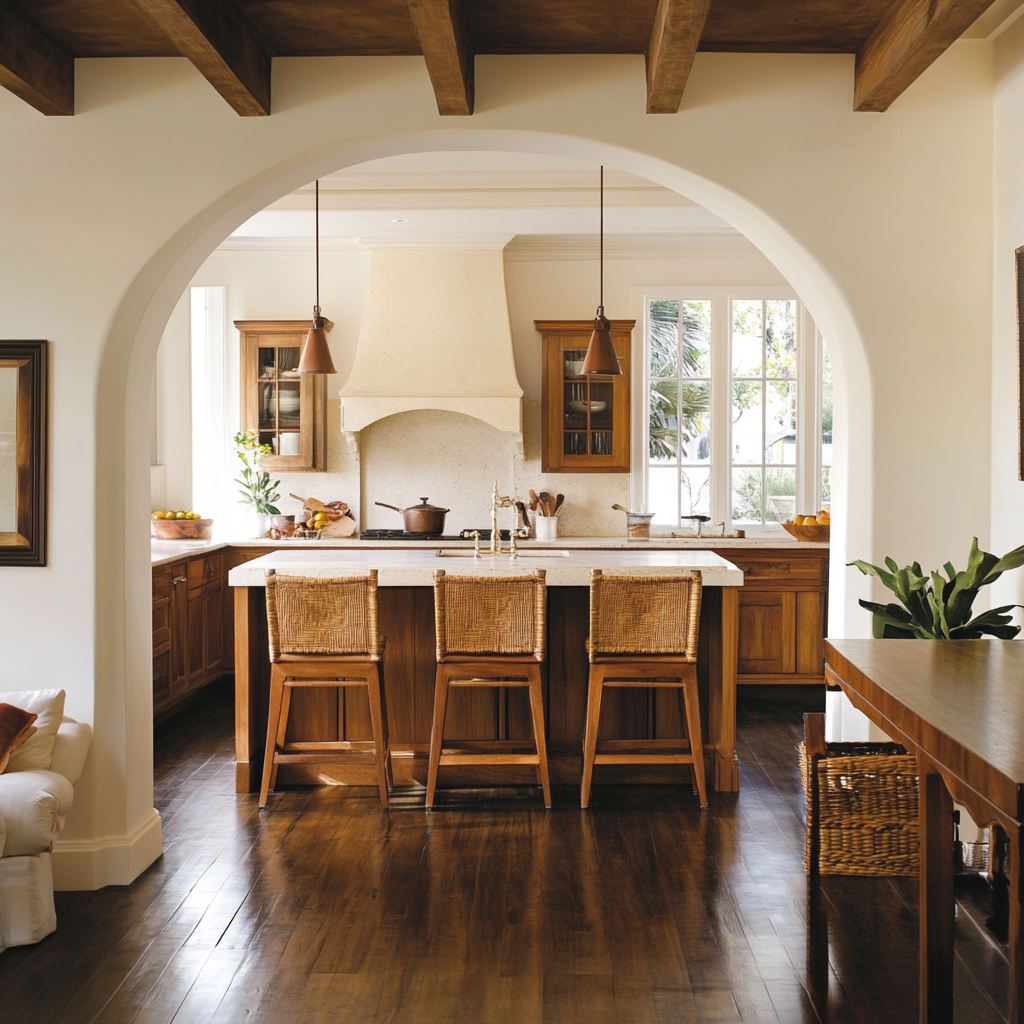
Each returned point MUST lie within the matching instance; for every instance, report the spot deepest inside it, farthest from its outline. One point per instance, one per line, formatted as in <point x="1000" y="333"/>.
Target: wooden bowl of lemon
<point x="180" y="526"/>
<point x="810" y="528"/>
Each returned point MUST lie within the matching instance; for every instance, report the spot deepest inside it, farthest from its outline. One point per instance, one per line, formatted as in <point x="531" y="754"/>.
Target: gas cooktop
<point x="402" y="535"/>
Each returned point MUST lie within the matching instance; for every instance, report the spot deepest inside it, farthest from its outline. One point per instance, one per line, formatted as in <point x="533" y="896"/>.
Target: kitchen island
<point x="405" y="577"/>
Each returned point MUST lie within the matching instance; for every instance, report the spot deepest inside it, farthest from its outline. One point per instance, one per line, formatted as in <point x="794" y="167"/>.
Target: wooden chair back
<point x="490" y="615"/>
<point x="314" y="615"/>
<point x="640" y="615"/>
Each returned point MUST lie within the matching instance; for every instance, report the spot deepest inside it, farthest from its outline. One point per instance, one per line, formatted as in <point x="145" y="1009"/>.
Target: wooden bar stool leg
<point x="689" y="691"/>
<point x="282" y="730"/>
<point x="537" y="711"/>
<point x="377" y="727"/>
<point x="437" y="731"/>
<point x="273" y="728"/>
<point x="594" y="694"/>
<point x="384" y="723"/>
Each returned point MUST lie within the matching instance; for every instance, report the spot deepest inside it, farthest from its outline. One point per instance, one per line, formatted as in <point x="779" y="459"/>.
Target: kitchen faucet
<point x="504" y="501"/>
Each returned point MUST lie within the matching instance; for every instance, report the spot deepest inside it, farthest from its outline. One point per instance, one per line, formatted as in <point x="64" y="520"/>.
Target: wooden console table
<point x="959" y="705"/>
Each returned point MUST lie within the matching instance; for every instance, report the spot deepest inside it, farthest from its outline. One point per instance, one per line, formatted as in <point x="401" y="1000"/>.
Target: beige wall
<point x="882" y="223"/>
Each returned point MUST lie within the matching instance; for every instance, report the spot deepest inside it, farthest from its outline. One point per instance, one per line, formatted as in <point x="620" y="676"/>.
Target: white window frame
<point x="808" y="457"/>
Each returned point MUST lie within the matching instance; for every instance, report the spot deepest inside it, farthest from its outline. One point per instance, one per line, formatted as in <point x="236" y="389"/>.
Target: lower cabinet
<point x="188" y="627"/>
<point x="783" y="614"/>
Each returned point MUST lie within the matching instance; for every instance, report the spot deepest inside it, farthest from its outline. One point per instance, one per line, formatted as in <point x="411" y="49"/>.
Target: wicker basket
<point x="867" y="803"/>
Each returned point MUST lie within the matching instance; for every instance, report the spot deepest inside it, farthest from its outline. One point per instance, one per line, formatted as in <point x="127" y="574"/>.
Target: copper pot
<point x="422" y="518"/>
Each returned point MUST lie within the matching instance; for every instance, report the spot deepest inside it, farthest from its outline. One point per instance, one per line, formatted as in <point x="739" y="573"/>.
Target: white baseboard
<point x="87" y="864"/>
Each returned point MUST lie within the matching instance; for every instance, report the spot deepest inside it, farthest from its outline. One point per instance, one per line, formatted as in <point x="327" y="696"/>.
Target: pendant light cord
<point x="316" y="309"/>
<point x="600" y="310"/>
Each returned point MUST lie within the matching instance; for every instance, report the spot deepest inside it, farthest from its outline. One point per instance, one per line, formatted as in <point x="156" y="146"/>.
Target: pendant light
<point x="601" y="358"/>
<point x="316" y="353"/>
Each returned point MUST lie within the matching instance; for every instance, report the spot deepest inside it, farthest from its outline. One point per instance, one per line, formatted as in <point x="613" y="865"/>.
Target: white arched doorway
<point x="124" y="664"/>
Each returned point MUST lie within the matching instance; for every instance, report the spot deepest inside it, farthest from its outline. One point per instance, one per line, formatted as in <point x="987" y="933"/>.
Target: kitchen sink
<point x="523" y="553"/>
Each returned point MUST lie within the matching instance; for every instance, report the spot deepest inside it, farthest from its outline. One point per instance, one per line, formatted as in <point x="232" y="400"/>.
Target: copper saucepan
<point x="422" y="518"/>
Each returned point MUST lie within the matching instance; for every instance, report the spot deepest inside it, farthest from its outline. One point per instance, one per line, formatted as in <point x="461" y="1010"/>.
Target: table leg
<point x="246" y="677"/>
<point x="937" y="908"/>
<point x="1016" y="951"/>
<point x="722" y="698"/>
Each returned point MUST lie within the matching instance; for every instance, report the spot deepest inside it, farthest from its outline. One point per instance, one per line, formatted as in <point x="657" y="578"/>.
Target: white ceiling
<point x="415" y="198"/>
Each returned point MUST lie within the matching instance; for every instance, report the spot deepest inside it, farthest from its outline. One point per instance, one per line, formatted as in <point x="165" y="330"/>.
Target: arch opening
<point x="122" y="544"/>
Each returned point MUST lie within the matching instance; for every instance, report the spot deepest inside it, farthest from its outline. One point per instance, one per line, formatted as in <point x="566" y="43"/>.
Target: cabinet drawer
<point x="206" y="569"/>
<point x="162" y="582"/>
<point x="782" y="570"/>
<point x="196" y="572"/>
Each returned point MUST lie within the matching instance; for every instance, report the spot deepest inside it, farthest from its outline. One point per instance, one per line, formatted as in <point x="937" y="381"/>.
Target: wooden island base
<point x="407" y="621"/>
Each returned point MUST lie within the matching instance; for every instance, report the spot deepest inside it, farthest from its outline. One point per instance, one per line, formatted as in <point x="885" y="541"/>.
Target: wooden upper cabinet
<point x="584" y="420"/>
<point x="287" y="409"/>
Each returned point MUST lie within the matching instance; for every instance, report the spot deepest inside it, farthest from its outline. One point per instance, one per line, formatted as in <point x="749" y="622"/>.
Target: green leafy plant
<point x="938" y="608"/>
<point x="256" y="488"/>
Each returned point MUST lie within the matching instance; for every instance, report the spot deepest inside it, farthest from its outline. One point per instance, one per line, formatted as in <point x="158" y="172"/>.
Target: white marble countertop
<point x="164" y="551"/>
<point x="405" y="567"/>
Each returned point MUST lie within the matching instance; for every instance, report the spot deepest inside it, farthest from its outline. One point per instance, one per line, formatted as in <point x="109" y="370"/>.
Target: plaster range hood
<point x="435" y="334"/>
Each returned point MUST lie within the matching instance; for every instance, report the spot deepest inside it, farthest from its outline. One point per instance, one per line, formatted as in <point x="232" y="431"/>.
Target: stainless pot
<point x="422" y="518"/>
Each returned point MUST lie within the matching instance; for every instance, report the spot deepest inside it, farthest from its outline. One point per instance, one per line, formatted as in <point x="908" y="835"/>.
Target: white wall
<point x="882" y="223"/>
<point x="1008" y="235"/>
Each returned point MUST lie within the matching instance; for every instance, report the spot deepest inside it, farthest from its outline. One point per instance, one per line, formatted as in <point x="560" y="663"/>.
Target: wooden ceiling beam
<point x="911" y="35"/>
<point x="448" y="52"/>
<point x="219" y="40"/>
<point x="33" y="67"/>
<point x="678" y="25"/>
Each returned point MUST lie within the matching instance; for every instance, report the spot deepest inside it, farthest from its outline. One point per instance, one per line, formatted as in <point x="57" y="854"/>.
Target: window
<point x="736" y="411"/>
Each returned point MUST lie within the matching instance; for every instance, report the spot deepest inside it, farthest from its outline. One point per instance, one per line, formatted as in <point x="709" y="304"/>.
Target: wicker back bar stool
<point x="490" y="633"/>
<point x="643" y="632"/>
<point x="323" y="633"/>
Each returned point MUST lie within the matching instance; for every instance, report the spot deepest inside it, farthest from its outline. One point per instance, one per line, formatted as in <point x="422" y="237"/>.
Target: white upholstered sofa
<point x="33" y="803"/>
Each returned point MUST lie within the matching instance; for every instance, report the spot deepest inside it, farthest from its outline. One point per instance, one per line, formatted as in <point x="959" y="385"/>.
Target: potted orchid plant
<point x="256" y="487"/>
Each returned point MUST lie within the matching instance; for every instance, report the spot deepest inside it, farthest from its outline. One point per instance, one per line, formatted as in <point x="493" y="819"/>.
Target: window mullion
<point x="721" y="410"/>
<point x="808" y="415"/>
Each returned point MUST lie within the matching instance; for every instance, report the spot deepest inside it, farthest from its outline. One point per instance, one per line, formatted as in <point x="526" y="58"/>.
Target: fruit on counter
<point x="821" y="518"/>
<point x="180" y="514"/>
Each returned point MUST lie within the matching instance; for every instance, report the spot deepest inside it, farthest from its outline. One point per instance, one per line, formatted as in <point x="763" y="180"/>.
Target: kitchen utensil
<point x="559" y="498"/>
<point x="546" y="504"/>
<point x="181" y="529"/>
<point x="422" y="518"/>
<point x="618" y="508"/>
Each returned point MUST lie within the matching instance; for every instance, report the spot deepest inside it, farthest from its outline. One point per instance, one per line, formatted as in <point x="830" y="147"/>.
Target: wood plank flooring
<point x="489" y="910"/>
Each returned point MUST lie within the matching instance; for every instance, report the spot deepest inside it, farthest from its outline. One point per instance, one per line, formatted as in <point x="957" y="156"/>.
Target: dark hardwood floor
<point x="489" y="909"/>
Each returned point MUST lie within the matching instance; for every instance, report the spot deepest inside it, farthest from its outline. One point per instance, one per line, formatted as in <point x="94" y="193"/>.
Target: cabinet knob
<point x="178" y="579"/>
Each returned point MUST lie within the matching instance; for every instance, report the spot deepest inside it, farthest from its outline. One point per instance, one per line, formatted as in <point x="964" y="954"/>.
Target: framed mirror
<point x="23" y="387"/>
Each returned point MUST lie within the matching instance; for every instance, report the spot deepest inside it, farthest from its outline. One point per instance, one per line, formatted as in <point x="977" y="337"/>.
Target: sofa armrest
<point x="69" y="749"/>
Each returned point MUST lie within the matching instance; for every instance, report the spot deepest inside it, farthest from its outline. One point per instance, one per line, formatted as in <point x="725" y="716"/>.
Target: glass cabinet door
<point x="585" y="417"/>
<point x="286" y="408"/>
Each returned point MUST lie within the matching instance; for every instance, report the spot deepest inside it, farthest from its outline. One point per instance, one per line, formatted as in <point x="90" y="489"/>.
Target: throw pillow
<point x="36" y="752"/>
<point x="16" y="726"/>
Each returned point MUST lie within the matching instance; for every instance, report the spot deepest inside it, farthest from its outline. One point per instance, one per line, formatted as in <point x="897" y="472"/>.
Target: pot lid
<point x="424" y="507"/>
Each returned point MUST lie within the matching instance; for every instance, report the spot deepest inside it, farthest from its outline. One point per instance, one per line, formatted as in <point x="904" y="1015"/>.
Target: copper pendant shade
<point x="601" y="357"/>
<point x="316" y="353"/>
